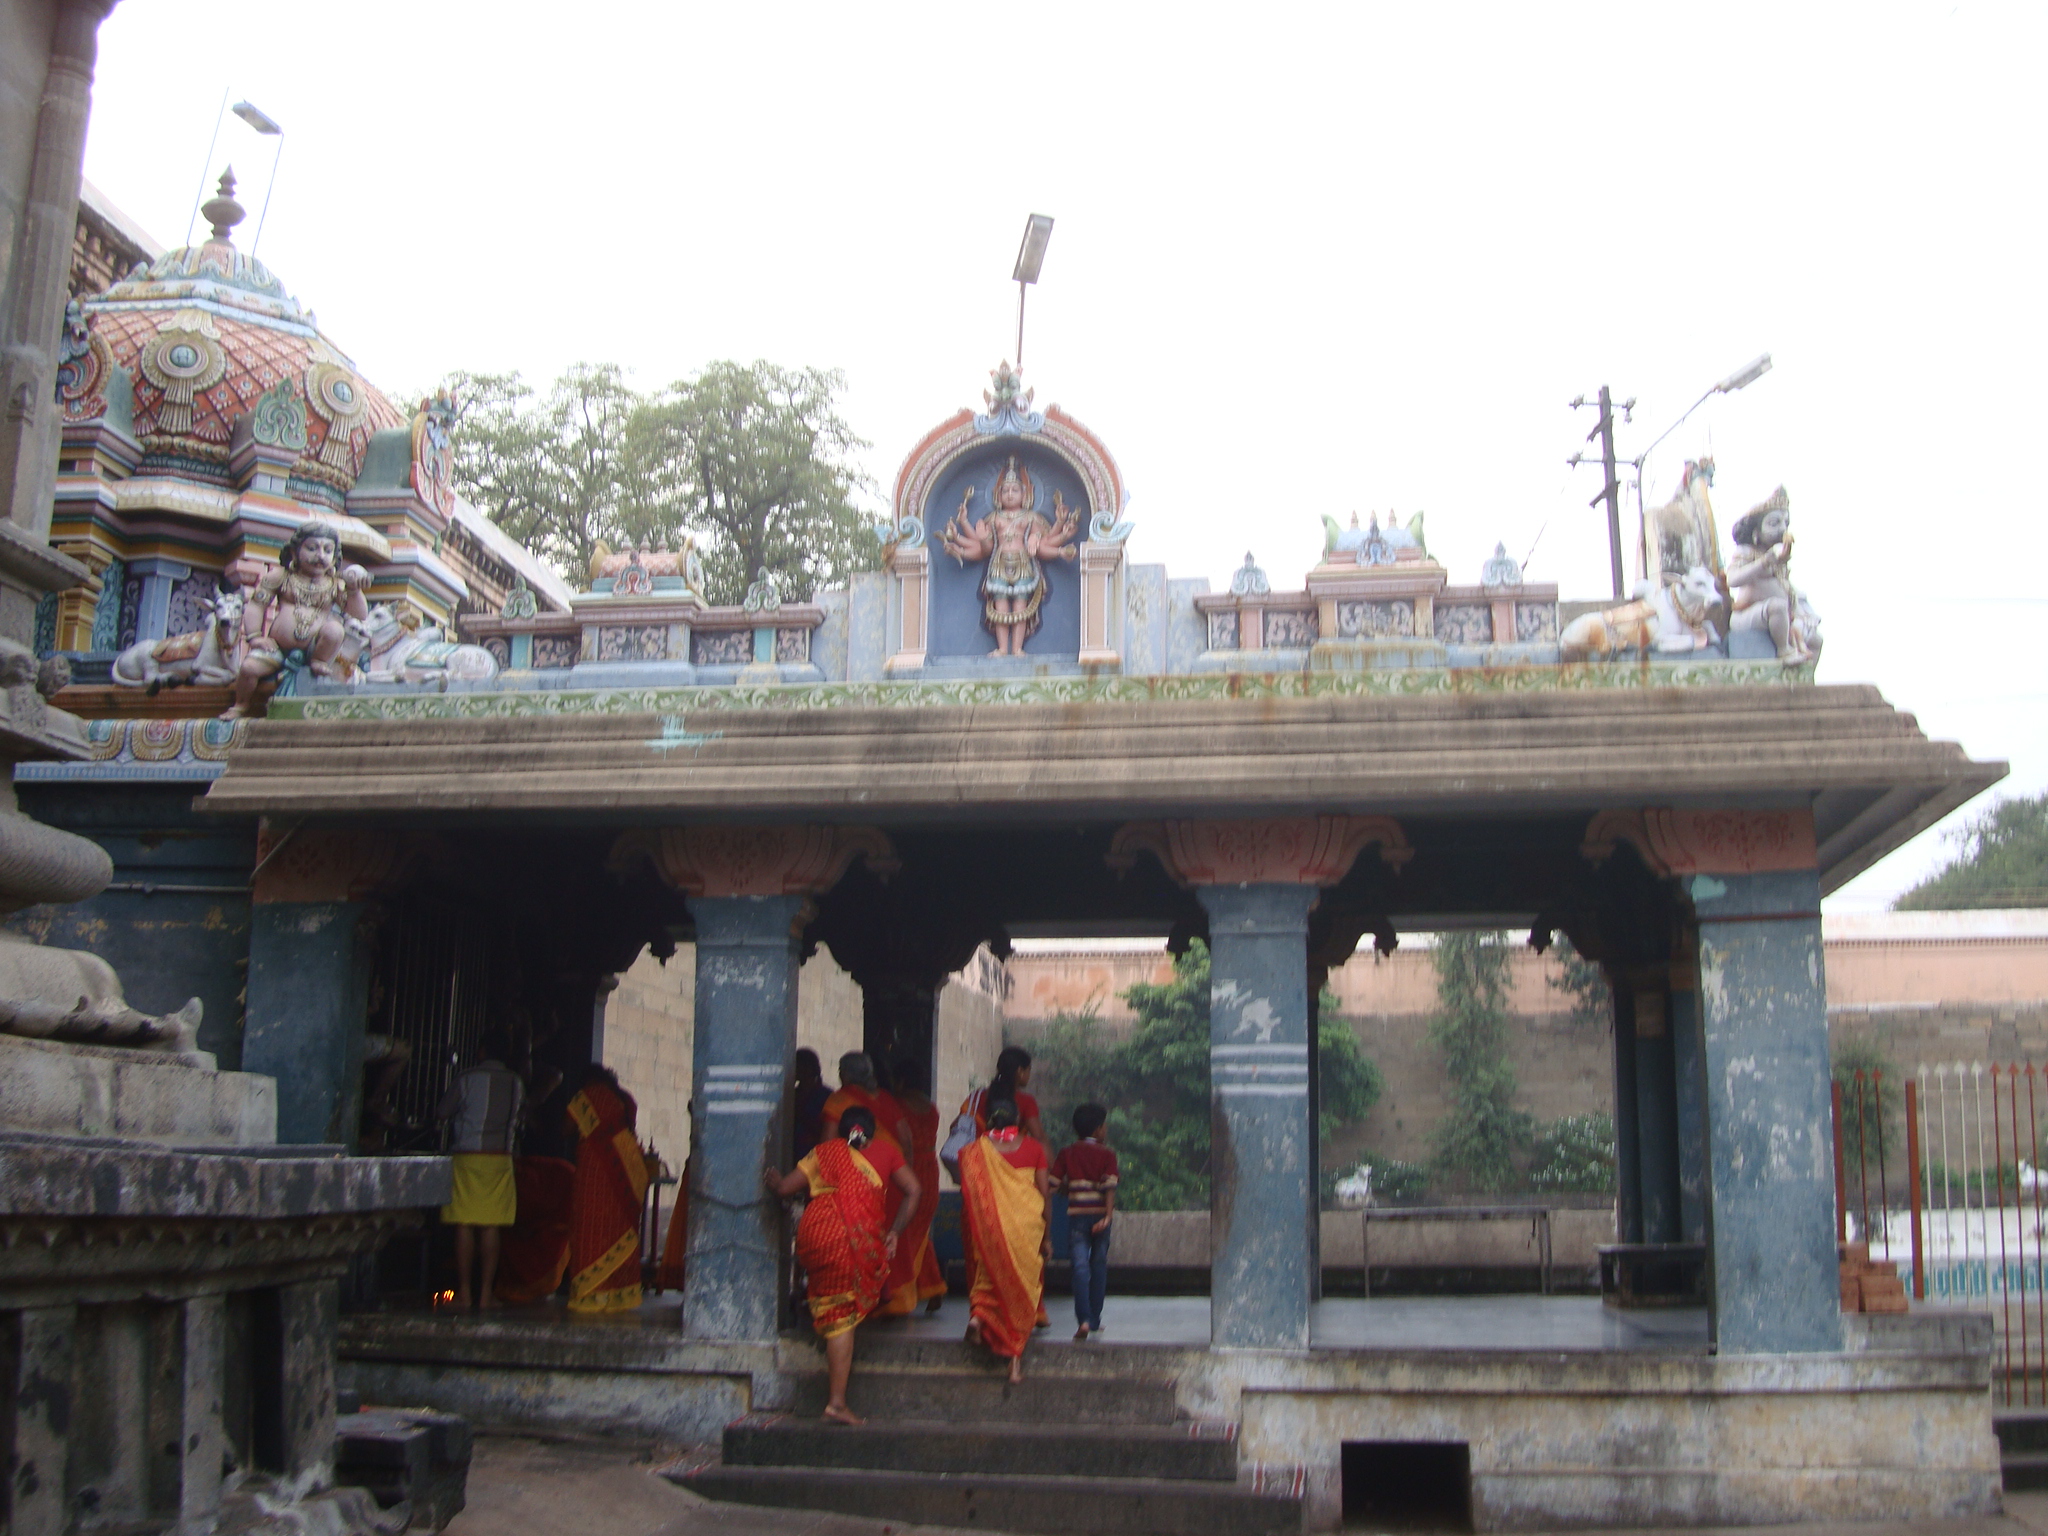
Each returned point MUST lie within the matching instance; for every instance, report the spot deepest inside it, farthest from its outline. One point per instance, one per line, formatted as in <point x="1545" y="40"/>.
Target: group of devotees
<point x="868" y="1169"/>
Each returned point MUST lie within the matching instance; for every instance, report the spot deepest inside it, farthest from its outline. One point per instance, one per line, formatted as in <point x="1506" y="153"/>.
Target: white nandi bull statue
<point x="403" y="648"/>
<point x="210" y="657"/>
<point x="1666" y="619"/>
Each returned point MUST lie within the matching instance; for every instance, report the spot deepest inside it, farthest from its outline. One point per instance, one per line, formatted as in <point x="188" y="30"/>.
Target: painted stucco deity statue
<point x="297" y="613"/>
<point x="1014" y="538"/>
<point x="1681" y="534"/>
<point x="1760" y="591"/>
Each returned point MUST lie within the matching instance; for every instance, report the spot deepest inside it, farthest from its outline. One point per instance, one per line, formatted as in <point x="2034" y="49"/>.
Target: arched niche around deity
<point x="1007" y="543"/>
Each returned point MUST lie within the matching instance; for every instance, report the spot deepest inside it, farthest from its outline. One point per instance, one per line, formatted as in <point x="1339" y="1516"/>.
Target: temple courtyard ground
<point x="527" y="1487"/>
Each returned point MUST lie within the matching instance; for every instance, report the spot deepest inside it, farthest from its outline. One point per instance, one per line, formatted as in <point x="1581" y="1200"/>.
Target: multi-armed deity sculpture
<point x="1014" y="537"/>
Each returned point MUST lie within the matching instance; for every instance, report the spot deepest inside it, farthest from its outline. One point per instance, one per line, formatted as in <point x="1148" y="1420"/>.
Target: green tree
<point x="2002" y="861"/>
<point x="550" y="469"/>
<point x="1155" y="1083"/>
<point x="1484" y="1135"/>
<point x="1159" y="1119"/>
<point x="1348" y="1082"/>
<point x="1585" y="983"/>
<point x="1574" y="1155"/>
<point x="1073" y="1062"/>
<point x="757" y="458"/>
<point x="1881" y="1089"/>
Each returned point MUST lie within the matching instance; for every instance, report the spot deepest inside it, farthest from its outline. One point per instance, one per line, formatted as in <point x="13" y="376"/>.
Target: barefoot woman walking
<point x="1003" y="1185"/>
<point x="844" y="1241"/>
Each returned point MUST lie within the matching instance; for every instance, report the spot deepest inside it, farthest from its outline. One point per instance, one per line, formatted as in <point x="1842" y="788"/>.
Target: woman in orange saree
<point x="915" y="1276"/>
<point x="1003" y="1184"/>
<point x="611" y="1183"/>
<point x="845" y="1241"/>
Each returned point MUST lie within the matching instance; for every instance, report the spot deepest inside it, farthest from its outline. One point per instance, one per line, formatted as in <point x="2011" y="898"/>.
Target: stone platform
<point x="1572" y="1416"/>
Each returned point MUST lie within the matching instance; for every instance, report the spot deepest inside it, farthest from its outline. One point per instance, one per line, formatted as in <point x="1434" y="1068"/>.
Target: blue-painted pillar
<point x="745" y="1036"/>
<point x="1656" y="1117"/>
<point x="1764" y="1036"/>
<point x="1262" y="1251"/>
<point x="159" y="577"/>
<point x="309" y="989"/>
<point x="1688" y="1073"/>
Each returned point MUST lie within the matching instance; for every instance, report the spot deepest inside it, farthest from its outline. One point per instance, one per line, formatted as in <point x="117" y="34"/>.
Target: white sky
<point x="1307" y="259"/>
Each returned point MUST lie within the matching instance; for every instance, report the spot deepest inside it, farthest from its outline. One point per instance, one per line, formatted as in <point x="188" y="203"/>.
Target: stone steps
<point x="1055" y="1506"/>
<point x="1096" y="1449"/>
<point x="1187" y="1451"/>
<point x="2022" y="1447"/>
<point x="987" y="1397"/>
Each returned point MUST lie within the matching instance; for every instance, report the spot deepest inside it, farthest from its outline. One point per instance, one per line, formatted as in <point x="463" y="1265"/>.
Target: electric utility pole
<point x="1610" y="493"/>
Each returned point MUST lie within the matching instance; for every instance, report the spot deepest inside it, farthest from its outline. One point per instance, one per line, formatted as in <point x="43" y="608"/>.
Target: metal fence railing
<point x="1939" y="1175"/>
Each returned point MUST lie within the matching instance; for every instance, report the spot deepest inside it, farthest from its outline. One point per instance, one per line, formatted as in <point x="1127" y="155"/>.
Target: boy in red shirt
<point x="1087" y="1172"/>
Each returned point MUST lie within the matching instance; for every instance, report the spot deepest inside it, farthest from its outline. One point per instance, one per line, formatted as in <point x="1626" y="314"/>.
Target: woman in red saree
<point x="845" y="1241"/>
<point x="1003" y="1185"/>
<point x="611" y="1183"/>
<point x="535" y="1251"/>
<point x="915" y="1276"/>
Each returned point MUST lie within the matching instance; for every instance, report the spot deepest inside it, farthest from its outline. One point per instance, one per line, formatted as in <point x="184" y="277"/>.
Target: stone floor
<point x="1391" y="1322"/>
<point x="522" y="1487"/>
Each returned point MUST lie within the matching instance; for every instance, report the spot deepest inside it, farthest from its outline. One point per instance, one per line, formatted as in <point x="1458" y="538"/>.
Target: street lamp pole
<point x="1030" y="258"/>
<point x="266" y="125"/>
<point x="1610" y="491"/>
<point x="1741" y="378"/>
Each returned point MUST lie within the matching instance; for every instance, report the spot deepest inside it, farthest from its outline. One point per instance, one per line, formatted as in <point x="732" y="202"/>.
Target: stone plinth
<point x="1371" y="617"/>
<point x="52" y="1089"/>
<point x="167" y="1313"/>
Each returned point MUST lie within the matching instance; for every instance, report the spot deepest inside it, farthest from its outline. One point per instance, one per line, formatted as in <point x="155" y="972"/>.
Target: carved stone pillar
<point x="749" y="889"/>
<point x="34" y="281"/>
<point x="310" y="957"/>
<point x="1258" y="880"/>
<point x="909" y="610"/>
<point x="1768" y="1174"/>
<point x="36" y="1361"/>
<point x="1102" y="567"/>
<point x="78" y="607"/>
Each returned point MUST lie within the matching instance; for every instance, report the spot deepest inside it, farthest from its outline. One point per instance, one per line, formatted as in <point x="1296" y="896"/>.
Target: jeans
<point x="1090" y="1253"/>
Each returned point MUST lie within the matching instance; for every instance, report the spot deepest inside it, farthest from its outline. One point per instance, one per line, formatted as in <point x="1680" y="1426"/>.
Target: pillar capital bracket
<point x="1278" y="850"/>
<point x="330" y="864"/>
<point x="1708" y="842"/>
<point x="753" y="861"/>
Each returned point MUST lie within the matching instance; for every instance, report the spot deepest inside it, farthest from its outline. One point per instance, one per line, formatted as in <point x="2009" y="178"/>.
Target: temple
<point x="478" y="791"/>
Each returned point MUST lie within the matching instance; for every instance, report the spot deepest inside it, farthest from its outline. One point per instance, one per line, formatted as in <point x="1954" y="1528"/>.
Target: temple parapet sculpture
<point x="1003" y="566"/>
<point x="1029" y="507"/>
<point x="644" y="620"/>
<point x="1374" y="604"/>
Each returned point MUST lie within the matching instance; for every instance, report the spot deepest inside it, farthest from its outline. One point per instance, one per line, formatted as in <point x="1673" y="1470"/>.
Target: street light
<point x="1030" y="257"/>
<point x="1741" y="378"/>
<point x="264" y="124"/>
<point x="268" y="126"/>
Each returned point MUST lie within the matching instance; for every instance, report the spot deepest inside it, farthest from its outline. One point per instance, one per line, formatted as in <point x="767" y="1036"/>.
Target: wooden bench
<point x="1653" y="1274"/>
<point x="1538" y="1217"/>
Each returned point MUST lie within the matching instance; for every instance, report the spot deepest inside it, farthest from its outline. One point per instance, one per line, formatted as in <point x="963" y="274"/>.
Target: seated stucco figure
<point x="1760" y="591"/>
<point x="298" y="611"/>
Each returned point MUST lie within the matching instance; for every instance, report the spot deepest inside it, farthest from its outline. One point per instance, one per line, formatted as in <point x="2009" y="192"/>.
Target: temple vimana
<point x="319" y="780"/>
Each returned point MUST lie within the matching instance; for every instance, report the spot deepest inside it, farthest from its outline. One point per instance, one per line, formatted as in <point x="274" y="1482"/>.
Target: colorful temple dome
<point x="206" y="419"/>
<point x="206" y="334"/>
